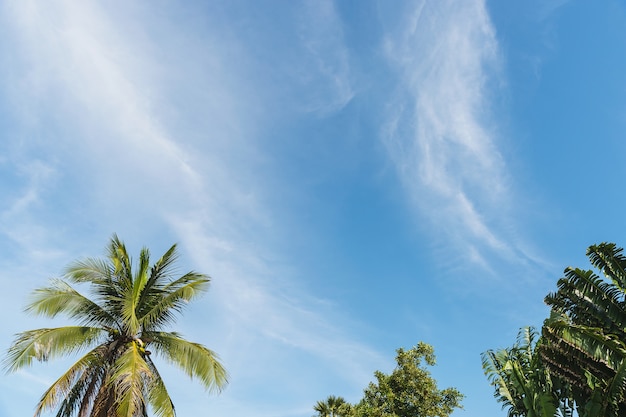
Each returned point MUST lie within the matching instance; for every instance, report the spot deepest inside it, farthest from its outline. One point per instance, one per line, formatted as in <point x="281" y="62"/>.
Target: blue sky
<point x="356" y="176"/>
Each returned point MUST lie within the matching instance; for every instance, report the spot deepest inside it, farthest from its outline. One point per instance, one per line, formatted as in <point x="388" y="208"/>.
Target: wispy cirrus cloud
<point x="321" y="35"/>
<point x="547" y="8"/>
<point x="441" y="132"/>
<point x="96" y="92"/>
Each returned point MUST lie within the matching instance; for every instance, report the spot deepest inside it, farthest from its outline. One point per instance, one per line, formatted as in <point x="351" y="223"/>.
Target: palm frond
<point x="129" y="374"/>
<point x="594" y="406"/>
<point x="131" y="297"/>
<point x="141" y="276"/>
<point x="62" y="298"/>
<point x="84" y="397"/>
<point x="332" y="407"/>
<point x="128" y="312"/>
<point x="72" y="388"/>
<point x="101" y="275"/>
<point x="200" y="280"/>
<point x="588" y="300"/>
<point x="121" y="263"/>
<point x="594" y="343"/>
<point x="494" y="363"/>
<point x="609" y="259"/>
<point x="44" y="344"/>
<point x="526" y="340"/>
<point x="163" y="267"/>
<point x="90" y="270"/>
<point x="193" y="358"/>
<point x="172" y="299"/>
<point x="615" y="391"/>
<point x="158" y="397"/>
<point x="159" y="274"/>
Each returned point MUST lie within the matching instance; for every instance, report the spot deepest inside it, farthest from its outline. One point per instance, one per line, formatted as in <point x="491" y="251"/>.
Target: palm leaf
<point x="153" y="288"/>
<point x="615" y="390"/>
<point x="74" y="385"/>
<point x="193" y="358"/>
<point x="93" y="271"/>
<point x="173" y="298"/>
<point x="599" y="346"/>
<point x="609" y="259"/>
<point x="158" y="397"/>
<point x="589" y="300"/>
<point x="122" y="265"/>
<point x="44" y="344"/>
<point x="62" y="298"/>
<point x="129" y="374"/>
<point x="493" y="367"/>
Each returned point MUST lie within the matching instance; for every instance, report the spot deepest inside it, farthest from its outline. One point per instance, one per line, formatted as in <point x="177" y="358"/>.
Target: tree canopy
<point x="332" y="407"/>
<point x="579" y="362"/>
<point x="521" y="381"/>
<point x="408" y="391"/>
<point x="585" y="336"/>
<point x="120" y="322"/>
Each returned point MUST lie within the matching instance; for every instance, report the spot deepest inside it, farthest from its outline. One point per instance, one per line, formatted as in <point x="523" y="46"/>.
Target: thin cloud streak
<point x="547" y="8"/>
<point x="260" y="298"/>
<point x="322" y="37"/>
<point x="102" y="93"/>
<point x="441" y="134"/>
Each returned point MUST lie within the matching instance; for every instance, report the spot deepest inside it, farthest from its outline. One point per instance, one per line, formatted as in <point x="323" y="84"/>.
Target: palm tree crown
<point x="122" y="320"/>
<point x="332" y="407"/>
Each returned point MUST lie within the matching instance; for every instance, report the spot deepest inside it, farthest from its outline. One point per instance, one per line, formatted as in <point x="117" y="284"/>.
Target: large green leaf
<point x="75" y="388"/>
<point x="44" y="344"/>
<point x="172" y="298"/>
<point x="158" y="397"/>
<point x="129" y="376"/>
<point x="61" y="298"/>
<point x="193" y="358"/>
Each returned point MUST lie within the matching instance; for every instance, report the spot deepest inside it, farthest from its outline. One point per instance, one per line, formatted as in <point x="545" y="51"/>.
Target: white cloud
<point x="321" y="35"/>
<point x="91" y="87"/>
<point x="441" y="134"/>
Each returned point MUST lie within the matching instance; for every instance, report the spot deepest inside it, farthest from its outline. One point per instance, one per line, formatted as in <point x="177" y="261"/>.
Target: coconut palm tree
<point x="585" y="336"/>
<point x="332" y="407"/>
<point x="121" y="321"/>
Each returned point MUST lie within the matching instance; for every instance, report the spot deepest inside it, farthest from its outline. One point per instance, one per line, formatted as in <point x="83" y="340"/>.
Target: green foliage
<point x="521" y="381"/>
<point x="585" y="336"/>
<point x="122" y="317"/>
<point x="332" y="407"/>
<point x="409" y="390"/>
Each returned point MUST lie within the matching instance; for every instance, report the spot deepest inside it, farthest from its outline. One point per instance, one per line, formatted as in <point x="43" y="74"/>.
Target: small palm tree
<point x="121" y="321"/>
<point x="332" y="407"/>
